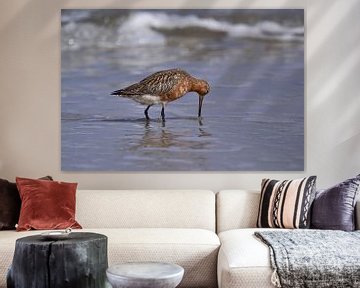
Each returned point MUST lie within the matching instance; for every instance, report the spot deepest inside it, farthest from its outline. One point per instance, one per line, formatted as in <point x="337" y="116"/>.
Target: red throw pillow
<point x="46" y="204"/>
<point x="10" y="204"/>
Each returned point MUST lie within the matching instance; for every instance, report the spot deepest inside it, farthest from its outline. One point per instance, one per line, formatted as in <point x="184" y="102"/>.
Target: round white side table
<point x="145" y="275"/>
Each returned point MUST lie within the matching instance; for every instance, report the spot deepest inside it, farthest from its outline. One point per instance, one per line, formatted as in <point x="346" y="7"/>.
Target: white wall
<point x="30" y="94"/>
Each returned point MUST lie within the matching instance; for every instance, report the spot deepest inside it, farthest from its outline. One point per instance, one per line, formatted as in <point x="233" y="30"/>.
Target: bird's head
<point x="202" y="88"/>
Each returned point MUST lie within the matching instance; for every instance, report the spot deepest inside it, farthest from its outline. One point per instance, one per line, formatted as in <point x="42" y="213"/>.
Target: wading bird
<point x="163" y="87"/>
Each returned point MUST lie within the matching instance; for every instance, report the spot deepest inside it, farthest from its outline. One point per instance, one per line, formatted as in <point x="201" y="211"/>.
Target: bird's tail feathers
<point x="117" y="92"/>
<point x="124" y="93"/>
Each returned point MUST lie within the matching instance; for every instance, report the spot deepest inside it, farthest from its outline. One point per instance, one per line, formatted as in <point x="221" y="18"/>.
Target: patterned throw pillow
<point x="286" y="204"/>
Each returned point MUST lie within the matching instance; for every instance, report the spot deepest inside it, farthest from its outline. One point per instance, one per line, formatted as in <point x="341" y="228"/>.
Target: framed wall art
<point x="182" y="90"/>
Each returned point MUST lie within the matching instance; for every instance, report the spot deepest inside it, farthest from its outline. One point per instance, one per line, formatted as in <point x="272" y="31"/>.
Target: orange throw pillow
<point x="46" y="204"/>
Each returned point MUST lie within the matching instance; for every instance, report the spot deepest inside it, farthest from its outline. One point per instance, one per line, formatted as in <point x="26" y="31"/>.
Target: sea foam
<point x="146" y="29"/>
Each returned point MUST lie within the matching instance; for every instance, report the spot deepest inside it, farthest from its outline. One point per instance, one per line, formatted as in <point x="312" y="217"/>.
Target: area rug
<point x="313" y="258"/>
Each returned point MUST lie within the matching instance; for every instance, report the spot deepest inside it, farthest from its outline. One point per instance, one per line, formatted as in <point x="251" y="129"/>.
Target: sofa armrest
<point x="357" y="215"/>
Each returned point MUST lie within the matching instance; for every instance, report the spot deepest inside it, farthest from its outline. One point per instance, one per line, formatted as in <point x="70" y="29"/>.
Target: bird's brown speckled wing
<point x="156" y="84"/>
<point x="161" y="82"/>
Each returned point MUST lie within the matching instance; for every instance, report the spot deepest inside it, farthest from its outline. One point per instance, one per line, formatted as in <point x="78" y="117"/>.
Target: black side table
<point x="79" y="261"/>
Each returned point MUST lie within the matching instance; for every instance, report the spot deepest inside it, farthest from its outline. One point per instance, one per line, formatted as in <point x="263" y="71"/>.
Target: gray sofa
<point x="210" y="235"/>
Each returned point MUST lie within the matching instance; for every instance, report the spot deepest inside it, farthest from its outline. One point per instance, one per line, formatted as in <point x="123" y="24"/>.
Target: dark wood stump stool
<point x="79" y="261"/>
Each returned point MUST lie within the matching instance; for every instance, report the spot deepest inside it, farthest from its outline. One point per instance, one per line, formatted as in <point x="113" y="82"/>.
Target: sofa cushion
<point x="153" y="209"/>
<point x="46" y="204"/>
<point x="196" y="250"/>
<point x="244" y="260"/>
<point x="236" y="209"/>
<point x="334" y="208"/>
<point x="286" y="204"/>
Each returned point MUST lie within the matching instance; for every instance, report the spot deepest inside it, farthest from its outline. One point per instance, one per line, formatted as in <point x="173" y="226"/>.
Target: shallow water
<point x="253" y="117"/>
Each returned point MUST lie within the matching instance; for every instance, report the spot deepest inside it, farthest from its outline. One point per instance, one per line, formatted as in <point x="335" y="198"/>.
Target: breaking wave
<point x="155" y="28"/>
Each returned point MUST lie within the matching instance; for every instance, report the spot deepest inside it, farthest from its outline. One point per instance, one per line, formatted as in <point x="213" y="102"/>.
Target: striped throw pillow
<point x="286" y="204"/>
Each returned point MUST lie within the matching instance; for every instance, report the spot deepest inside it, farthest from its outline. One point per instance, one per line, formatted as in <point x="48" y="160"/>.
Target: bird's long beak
<point x="201" y="98"/>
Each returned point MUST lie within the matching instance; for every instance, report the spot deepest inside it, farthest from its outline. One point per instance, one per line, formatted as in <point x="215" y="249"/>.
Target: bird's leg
<point x="163" y="112"/>
<point x="146" y="112"/>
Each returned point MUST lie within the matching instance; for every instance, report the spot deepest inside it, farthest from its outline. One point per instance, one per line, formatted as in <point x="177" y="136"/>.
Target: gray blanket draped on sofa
<point x="313" y="258"/>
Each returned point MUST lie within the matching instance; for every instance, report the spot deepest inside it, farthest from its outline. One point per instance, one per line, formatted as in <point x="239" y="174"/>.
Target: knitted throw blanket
<point x="313" y="258"/>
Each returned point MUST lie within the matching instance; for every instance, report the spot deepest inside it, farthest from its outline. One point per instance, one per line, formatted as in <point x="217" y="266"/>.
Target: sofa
<point x="175" y="226"/>
<point x="209" y="234"/>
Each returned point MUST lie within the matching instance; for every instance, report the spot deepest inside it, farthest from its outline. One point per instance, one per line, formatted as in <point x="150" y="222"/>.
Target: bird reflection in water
<point x="157" y="136"/>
